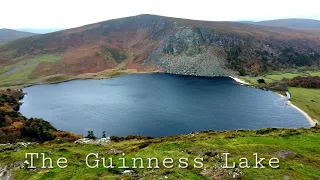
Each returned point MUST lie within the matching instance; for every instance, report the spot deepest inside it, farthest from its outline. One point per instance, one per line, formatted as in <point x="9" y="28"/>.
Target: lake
<point x="157" y="105"/>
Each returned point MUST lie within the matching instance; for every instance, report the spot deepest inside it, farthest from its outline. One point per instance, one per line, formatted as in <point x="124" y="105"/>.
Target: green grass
<point x="253" y="80"/>
<point x="279" y="77"/>
<point x="304" y="98"/>
<point x="19" y="73"/>
<point x="289" y="75"/>
<point x="314" y="73"/>
<point x="303" y="162"/>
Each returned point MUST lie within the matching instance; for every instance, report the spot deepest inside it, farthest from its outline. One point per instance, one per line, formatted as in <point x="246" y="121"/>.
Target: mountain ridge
<point x="147" y="43"/>
<point x="294" y="23"/>
<point x="11" y="34"/>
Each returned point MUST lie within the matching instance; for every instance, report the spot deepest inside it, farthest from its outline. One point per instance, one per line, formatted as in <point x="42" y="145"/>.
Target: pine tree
<point x="90" y="135"/>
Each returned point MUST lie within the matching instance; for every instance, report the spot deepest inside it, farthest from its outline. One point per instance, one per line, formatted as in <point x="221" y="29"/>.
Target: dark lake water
<point x="157" y="105"/>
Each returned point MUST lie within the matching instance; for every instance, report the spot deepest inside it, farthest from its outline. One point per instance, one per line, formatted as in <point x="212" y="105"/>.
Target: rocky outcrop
<point x="193" y="51"/>
<point x="219" y="172"/>
<point x="102" y="141"/>
<point x="15" y="146"/>
<point x="5" y="173"/>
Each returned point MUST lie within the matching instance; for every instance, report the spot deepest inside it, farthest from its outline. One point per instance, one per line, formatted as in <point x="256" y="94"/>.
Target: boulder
<point x="101" y="141"/>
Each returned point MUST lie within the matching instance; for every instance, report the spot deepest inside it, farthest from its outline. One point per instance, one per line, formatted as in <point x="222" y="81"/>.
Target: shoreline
<point x="306" y="115"/>
<point x="239" y="80"/>
<point x="311" y="121"/>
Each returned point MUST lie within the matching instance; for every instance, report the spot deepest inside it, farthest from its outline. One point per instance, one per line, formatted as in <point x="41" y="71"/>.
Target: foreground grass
<point x="307" y="100"/>
<point x="297" y="149"/>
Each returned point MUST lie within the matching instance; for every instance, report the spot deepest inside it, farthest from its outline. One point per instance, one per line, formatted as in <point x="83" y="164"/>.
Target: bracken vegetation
<point x="14" y="127"/>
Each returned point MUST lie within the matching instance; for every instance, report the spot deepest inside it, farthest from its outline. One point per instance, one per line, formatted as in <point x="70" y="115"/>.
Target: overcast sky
<point x="72" y="13"/>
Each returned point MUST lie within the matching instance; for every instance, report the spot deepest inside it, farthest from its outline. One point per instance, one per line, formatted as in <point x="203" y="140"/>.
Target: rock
<point x="285" y="153"/>
<point x="19" y="164"/>
<point x="161" y="177"/>
<point x="114" y="151"/>
<point x="102" y="141"/>
<point x="127" y="172"/>
<point x="15" y="147"/>
<point x="5" y="173"/>
<point x="25" y="144"/>
<point x="218" y="172"/>
<point x="286" y="177"/>
<point x="132" y="174"/>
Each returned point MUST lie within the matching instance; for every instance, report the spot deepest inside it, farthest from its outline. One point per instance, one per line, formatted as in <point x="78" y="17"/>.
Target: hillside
<point x="10" y="35"/>
<point x="291" y="23"/>
<point x="148" y="43"/>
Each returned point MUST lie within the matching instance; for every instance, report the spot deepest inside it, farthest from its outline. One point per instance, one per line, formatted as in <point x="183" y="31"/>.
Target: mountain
<point x="146" y="43"/>
<point x="10" y="35"/>
<point x="290" y="23"/>
<point x="40" y="31"/>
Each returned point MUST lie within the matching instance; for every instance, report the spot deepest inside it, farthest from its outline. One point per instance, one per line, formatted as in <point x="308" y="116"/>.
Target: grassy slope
<point x="19" y="73"/>
<point x="303" y="161"/>
<point x="303" y="99"/>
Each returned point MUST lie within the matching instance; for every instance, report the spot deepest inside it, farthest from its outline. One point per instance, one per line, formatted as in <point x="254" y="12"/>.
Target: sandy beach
<point x="311" y="121"/>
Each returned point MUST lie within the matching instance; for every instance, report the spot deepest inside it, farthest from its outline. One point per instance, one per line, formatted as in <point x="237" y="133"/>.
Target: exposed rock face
<point x="193" y="51"/>
<point x="199" y="64"/>
<point x="102" y="141"/>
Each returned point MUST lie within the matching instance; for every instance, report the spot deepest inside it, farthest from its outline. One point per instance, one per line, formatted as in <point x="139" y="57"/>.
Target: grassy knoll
<point x="297" y="149"/>
<point x="307" y="100"/>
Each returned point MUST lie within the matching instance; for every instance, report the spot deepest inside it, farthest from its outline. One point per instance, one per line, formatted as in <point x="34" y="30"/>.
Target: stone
<point x="102" y="141"/>
<point x="5" y="173"/>
<point x="127" y="172"/>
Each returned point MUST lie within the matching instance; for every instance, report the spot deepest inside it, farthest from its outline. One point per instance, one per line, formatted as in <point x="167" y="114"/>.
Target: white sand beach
<point x="311" y="121"/>
<point x="239" y="80"/>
